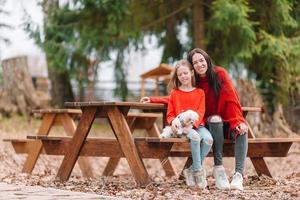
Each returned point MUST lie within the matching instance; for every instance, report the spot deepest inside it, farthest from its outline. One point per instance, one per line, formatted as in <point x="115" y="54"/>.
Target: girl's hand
<point x="145" y="100"/>
<point x="242" y="128"/>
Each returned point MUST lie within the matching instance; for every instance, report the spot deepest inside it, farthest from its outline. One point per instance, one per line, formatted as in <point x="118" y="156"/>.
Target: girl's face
<point x="184" y="75"/>
<point x="199" y="64"/>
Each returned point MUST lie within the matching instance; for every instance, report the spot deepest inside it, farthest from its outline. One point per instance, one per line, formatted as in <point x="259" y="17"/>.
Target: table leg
<point x="126" y="141"/>
<point x="77" y="142"/>
<point x="166" y="162"/>
<point x="261" y="166"/>
<point x="83" y="162"/>
<point x="111" y="166"/>
<point x="153" y="131"/>
<point x="187" y="164"/>
<point x="35" y="150"/>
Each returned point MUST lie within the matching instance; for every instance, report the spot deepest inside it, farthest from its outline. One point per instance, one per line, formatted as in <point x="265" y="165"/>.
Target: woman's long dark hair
<point x="212" y="76"/>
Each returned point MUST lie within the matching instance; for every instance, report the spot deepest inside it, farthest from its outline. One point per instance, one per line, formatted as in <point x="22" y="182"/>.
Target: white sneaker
<point x="219" y="174"/>
<point x="237" y="182"/>
<point x="200" y="178"/>
<point x="189" y="177"/>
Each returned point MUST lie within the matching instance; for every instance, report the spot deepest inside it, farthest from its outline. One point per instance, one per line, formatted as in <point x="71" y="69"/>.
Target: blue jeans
<point x="201" y="142"/>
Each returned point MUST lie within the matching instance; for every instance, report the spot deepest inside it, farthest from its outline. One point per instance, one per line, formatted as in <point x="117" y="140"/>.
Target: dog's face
<point x="189" y="117"/>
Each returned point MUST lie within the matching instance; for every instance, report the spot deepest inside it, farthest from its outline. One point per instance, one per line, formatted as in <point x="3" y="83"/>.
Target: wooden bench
<point x="153" y="147"/>
<point x="65" y="118"/>
<point x="50" y="119"/>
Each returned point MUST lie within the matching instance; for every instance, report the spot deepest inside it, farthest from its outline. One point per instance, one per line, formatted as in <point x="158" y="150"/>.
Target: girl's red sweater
<point x="227" y="105"/>
<point x="181" y="101"/>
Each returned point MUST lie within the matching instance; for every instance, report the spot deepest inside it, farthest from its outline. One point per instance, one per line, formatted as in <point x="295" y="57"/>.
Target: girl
<point x="185" y="96"/>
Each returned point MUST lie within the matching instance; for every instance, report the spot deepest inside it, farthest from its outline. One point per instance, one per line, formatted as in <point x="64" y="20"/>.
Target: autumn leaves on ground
<point x="284" y="185"/>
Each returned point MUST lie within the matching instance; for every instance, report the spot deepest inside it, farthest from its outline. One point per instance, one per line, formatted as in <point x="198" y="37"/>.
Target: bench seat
<point x="153" y="147"/>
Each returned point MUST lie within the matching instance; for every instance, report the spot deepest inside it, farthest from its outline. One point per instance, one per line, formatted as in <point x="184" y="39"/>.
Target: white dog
<point x="183" y="123"/>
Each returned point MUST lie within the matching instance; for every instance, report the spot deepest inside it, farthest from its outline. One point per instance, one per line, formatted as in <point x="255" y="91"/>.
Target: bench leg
<point x="83" y="162"/>
<point x="111" y="166"/>
<point x="123" y="133"/>
<point x="261" y="166"/>
<point x="77" y="143"/>
<point x="153" y="132"/>
<point x="166" y="162"/>
<point x="36" y="149"/>
<point x="187" y="164"/>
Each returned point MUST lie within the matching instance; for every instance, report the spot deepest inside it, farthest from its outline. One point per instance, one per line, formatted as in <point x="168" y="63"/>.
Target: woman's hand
<point x="242" y="128"/>
<point x="145" y="100"/>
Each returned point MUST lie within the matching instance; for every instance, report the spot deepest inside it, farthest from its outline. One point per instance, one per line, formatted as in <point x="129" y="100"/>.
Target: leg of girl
<point x="195" y="175"/>
<point x="205" y="146"/>
<point x="188" y="173"/>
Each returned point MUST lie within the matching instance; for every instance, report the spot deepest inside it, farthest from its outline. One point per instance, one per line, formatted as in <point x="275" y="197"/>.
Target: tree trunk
<point x="198" y="23"/>
<point x="18" y="86"/>
<point x="61" y="89"/>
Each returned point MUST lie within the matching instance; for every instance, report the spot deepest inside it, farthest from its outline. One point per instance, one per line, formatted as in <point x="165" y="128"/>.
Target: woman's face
<point x="199" y="64"/>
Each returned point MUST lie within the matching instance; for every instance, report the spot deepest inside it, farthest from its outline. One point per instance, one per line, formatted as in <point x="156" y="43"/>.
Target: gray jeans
<point x="240" y="147"/>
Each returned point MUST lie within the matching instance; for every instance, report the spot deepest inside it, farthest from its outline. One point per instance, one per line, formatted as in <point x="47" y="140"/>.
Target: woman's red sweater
<point x="227" y="105"/>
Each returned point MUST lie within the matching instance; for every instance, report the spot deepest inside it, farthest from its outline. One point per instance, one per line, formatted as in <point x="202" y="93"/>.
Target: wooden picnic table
<point x="134" y="149"/>
<point x="116" y="113"/>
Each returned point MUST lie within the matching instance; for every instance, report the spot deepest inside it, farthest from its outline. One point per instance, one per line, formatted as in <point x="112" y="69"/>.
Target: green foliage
<point x="263" y="36"/>
<point x="231" y="35"/>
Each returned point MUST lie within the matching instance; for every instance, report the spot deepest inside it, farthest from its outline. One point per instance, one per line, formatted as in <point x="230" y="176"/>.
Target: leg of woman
<point x="240" y="153"/>
<point x="215" y="126"/>
<point x="196" y="165"/>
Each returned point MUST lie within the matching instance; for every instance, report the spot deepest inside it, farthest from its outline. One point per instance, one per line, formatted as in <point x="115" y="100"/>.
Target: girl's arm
<point x="171" y="112"/>
<point x="163" y="100"/>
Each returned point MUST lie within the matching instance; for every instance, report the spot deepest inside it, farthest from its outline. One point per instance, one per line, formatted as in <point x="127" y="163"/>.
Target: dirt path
<point x="10" y="191"/>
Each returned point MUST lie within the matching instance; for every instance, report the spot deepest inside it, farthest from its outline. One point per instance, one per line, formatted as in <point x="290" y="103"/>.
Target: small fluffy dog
<point x="183" y="123"/>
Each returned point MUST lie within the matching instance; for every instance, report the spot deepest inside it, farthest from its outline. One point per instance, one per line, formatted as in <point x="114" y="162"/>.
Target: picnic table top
<point x="137" y="105"/>
<point x="117" y="103"/>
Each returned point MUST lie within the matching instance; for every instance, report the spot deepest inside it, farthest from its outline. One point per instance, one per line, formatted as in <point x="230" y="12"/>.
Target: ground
<point x="284" y="185"/>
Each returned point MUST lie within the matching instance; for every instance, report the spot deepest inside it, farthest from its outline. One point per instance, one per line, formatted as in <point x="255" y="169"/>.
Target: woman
<point x="223" y="116"/>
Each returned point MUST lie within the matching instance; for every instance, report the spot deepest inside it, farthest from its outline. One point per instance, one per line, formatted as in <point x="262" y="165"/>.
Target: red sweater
<point x="227" y="106"/>
<point x="180" y="101"/>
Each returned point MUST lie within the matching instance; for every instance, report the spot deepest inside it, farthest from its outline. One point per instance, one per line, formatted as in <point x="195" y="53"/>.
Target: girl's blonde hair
<point x="174" y="82"/>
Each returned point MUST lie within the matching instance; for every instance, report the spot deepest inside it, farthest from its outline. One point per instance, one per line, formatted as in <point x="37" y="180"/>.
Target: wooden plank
<point x="137" y="105"/>
<point x="167" y="164"/>
<point x="260" y="166"/>
<point x="77" y="142"/>
<point x="56" y="111"/>
<point x="187" y="164"/>
<point x="70" y="127"/>
<point x="251" y="109"/>
<point x="144" y="115"/>
<point x="36" y="148"/>
<point x="111" y="166"/>
<point x="123" y="134"/>
<point x="110" y="148"/>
